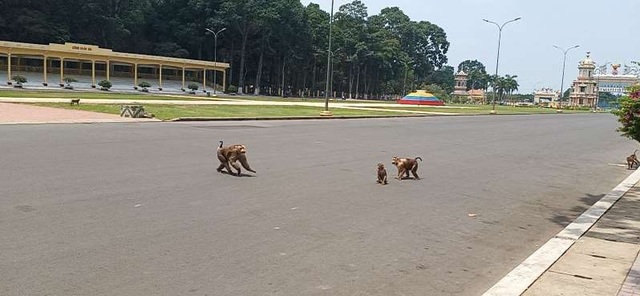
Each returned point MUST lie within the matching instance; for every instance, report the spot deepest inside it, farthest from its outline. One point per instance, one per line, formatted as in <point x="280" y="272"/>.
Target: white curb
<point x="524" y="275"/>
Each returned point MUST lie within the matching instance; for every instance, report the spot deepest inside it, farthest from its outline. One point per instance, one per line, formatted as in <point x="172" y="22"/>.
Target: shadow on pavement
<point x="567" y="218"/>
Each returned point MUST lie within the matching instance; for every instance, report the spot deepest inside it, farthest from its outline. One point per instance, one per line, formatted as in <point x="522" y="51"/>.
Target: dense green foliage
<point x="478" y="77"/>
<point x="272" y="45"/>
<point x="608" y="100"/>
<point x="629" y="113"/>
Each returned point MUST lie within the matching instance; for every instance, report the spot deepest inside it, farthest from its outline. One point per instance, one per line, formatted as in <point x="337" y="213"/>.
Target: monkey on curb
<point x="228" y="157"/>
<point x="406" y="165"/>
<point x="632" y="160"/>
<point x="382" y="174"/>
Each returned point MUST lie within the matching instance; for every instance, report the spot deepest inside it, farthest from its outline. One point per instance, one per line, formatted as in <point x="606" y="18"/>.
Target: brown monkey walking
<point x="406" y="165"/>
<point x="228" y="157"/>
<point x="382" y="174"/>
<point x="632" y="160"/>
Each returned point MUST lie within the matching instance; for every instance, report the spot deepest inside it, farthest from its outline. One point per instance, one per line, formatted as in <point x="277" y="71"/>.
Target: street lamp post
<point x="326" y="111"/>
<point x="600" y="73"/>
<point x="215" y="55"/>
<point x="333" y="53"/>
<point x="493" y="108"/>
<point x="564" y="62"/>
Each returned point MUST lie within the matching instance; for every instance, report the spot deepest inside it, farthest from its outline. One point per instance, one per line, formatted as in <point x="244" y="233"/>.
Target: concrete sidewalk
<point x="604" y="261"/>
<point x="597" y="254"/>
<point x="28" y="114"/>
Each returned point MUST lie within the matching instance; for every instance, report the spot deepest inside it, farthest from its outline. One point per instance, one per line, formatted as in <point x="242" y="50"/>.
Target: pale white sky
<point x="609" y="29"/>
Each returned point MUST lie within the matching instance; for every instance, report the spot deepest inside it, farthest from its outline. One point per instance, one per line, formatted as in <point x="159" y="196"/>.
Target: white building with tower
<point x="615" y="82"/>
<point x="545" y="96"/>
<point x="584" y="88"/>
<point x="476" y="96"/>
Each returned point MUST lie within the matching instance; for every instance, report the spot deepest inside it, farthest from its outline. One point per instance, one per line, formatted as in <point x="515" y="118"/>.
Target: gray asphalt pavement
<point x="138" y="209"/>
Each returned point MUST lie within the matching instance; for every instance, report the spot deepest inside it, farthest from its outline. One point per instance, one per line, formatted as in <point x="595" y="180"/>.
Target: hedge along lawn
<point x="167" y="112"/>
<point x="478" y="109"/>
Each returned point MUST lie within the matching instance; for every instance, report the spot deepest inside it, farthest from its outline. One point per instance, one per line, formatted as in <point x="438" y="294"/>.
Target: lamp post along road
<point x="326" y="111"/>
<point x="564" y="62"/>
<point x="493" y="108"/>
<point x="215" y="55"/>
<point x="600" y="73"/>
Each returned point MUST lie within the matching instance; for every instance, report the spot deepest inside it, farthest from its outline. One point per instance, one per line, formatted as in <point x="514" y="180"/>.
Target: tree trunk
<point x="243" y="53"/>
<point x="350" y="79"/>
<point x="259" y="74"/>
<point x="366" y="80"/>
<point x="357" y="82"/>
<point x="284" y="63"/>
<point x="313" y="82"/>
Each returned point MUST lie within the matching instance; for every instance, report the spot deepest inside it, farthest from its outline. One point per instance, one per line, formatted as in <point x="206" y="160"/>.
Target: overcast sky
<point x="609" y="29"/>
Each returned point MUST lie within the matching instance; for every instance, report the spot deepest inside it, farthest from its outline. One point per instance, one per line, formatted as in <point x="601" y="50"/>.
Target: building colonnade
<point x="104" y="62"/>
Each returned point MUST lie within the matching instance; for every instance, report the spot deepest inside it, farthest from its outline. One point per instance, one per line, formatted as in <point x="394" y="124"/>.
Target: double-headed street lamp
<point x="326" y="111"/>
<point x="493" y="109"/>
<point x="215" y="55"/>
<point x="564" y="62"/>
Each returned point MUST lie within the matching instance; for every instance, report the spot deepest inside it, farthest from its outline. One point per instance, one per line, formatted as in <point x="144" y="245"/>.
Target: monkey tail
<point x="420" y="158"/>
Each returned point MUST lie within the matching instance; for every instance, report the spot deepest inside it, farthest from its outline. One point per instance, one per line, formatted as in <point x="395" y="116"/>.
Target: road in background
<point x="138" y="209"/>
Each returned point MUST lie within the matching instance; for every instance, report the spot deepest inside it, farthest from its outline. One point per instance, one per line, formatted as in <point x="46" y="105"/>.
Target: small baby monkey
<point x="382" y="174"/>
<point x="632" y="160"/>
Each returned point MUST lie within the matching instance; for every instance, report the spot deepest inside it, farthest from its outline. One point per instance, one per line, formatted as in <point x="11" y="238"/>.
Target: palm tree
<point x="511" y="84"/>
<point x="499" y="86"/>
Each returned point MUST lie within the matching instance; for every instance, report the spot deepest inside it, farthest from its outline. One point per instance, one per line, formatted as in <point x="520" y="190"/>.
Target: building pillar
<point x="204" y="80"/>
<point x="93" y="73"/>
<point x="160" y="77"/>
<point x="61" y="71"/>
<point x="44" y="73"/>
<point x="224" y="80"/>
<point x="135" y="74"/>
<point x="8" y="68"/>
<point x="108" y="70"/>
<point x="183" y="78"/>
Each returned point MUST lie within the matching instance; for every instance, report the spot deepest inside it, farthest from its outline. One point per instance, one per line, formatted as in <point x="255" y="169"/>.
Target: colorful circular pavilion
<point x="421" y="97"/>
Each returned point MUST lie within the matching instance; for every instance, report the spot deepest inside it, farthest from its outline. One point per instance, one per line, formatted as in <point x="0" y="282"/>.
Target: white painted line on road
<point x="524" y="275"/>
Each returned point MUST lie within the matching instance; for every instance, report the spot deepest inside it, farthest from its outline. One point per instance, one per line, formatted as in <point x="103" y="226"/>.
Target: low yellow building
<point x="76" y="58"/>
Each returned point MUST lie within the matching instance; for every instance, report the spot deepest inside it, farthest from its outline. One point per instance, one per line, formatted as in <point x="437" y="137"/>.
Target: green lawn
<point x="166" y="112"/>
<point x="96" y="94"/>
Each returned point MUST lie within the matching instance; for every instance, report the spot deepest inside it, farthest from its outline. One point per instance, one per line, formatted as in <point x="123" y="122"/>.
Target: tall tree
<point x="443" y="77"/>
<point x="244" y="17"/>
<point x="477" y="74"/>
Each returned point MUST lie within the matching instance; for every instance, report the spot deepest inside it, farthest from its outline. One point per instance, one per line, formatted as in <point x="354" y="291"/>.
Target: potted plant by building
<point x="68" y="81"/>
<point x="144" y="86"/>
<point x="19" y="80"/>
<point x="193" y="87"/>
<point x="105" y="85"/>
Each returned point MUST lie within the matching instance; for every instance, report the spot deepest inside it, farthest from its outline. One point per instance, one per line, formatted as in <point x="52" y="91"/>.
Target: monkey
<point x="632" y="160"/>
<point x="75" y="101"/>
<point x="406" y="165"/>
<point x="382" y="174"/>
<point x="228" y="157"/>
